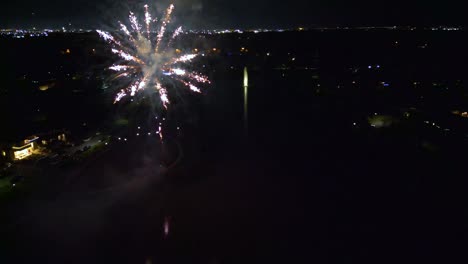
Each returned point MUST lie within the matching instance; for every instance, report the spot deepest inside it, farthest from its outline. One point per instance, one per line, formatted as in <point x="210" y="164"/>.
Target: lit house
<point x="22" y="150"/>
<point x="55" y="139"/>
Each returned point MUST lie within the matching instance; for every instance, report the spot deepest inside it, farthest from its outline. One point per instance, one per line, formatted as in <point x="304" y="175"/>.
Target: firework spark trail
<point x="108" y="37"/>
<point x="126" y="31"/>
<point x="160" y="36"/>
<point x="191" y="86"/>
<point x="136" y="27"/>
<point x="133" y="89"/>
<point x="199" y="78"/>
<point x="185" y="58"/>
<point x="127" y="56"/>
<point x="194" y="88"/>
<point x="191" y="76"/>
<point x="142" y="84"/>
<point x="178" y="71"/>
<point x="163" y="26"/>
<point x="119" y="67"/>
<point x="159" y="132"/>
<point x="120" y="76"/>
<point x="120" y="95"/>
<point x="144" y="64"/>
<point x="163" y="94"/>
<point x="177" y="32"/>
<point x="164" y="97"/>
<point x="147" y="21"/>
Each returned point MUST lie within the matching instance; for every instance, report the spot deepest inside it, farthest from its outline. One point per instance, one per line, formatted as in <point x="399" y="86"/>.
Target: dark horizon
<point x="217" y="14"/>
<point x="243" y="30"/>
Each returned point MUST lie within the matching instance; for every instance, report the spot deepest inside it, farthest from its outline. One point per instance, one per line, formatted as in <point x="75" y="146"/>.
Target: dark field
<point x="310" y="180"/>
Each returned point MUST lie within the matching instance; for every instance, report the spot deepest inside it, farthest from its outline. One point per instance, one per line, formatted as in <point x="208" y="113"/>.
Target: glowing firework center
<point x="147" y="59"/>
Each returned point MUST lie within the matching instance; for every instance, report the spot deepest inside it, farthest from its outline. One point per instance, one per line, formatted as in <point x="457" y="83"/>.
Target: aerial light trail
<point x="246" y="99"/>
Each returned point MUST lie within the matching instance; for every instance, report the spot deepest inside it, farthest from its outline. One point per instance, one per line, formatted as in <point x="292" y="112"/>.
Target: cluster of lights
<point x="21" y="34"/>
<point x="436" y="125"/>
<point x="255" y="31"/>
<point x="41" y="33"/>
<point x="26" y="33"/>
<point x="446" y="28"/>
<point x="242" y="31"/>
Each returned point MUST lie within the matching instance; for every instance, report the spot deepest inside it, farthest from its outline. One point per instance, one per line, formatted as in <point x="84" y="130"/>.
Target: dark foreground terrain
<point x="314" y="178"/>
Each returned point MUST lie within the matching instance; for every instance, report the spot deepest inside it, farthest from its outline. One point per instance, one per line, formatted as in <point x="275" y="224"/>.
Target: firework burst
<point x="149" y="63"/>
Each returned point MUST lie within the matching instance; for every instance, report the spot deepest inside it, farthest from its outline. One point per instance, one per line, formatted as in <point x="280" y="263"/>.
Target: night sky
<point x="215" y="14"/>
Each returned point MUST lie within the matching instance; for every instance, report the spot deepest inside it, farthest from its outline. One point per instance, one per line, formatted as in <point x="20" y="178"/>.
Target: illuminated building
<point x="27" y="148"/>
<point x="23" y="152"/>
<point x="53" y="137"/>
<point x="20" y="151"/>
<point x="62" y="137"/>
